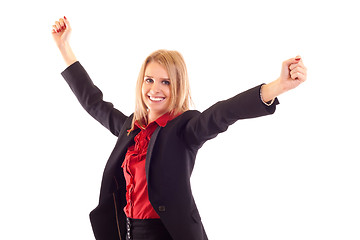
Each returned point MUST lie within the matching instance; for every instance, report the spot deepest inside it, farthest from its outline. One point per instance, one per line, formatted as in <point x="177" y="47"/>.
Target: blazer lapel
<point x="150" y="150"/>
<point x="120" y="148"/>
<point x="115" y="160"/>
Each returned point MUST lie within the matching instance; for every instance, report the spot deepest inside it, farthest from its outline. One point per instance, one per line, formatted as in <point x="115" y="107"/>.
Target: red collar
<point x="161" y="121"/>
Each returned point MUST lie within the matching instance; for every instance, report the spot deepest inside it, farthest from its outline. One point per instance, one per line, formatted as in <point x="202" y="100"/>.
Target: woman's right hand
<point x="61" y="32"/>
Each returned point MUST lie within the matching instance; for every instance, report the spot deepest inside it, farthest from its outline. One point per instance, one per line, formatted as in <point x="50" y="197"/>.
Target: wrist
<point x="67" y="53"/>
<point x="63" y="46"/>
<point x="271" y="90"/>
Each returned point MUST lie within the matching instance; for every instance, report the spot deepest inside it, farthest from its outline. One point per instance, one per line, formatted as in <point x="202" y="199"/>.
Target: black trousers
<point x="146" y="229"/>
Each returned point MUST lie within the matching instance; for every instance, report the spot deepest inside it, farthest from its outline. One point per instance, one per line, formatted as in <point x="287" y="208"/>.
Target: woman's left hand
<point x="293" y="73"/>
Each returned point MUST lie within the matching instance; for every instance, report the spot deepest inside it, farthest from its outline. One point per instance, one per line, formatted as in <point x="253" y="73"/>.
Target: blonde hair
<point x="180" y="100"/>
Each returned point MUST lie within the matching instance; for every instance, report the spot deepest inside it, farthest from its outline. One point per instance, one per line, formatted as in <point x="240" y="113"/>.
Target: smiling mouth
<point x="156" y="99"/>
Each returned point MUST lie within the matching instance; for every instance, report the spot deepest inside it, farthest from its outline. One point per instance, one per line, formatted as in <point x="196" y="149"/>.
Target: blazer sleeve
<point x="216" y="119"/>
<point x="91" y="98"/>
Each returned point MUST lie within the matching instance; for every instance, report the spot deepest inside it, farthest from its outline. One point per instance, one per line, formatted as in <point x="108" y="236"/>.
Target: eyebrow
<point x="160" y="78"/>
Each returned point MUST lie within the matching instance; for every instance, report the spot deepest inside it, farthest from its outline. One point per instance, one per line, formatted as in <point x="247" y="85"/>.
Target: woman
<point x="145" y="191"/>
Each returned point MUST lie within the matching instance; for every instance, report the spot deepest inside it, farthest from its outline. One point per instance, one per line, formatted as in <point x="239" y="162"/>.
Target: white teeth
<point x="157" y="99"/>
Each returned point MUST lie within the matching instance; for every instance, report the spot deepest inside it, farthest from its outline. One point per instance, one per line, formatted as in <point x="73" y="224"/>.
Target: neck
<point x="152" y="117"/>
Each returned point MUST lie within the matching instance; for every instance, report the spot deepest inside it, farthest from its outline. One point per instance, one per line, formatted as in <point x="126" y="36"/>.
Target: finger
<point x="298" y="69"/>
<point x="58" y="26"/>
<point x="300" y="64"/>
<point x="295" y="75"/>
<point x="292" y="66"/>
<point x="62" y="24"/>
<point x="298" y="73"/>
<point x="67" y="23"/>
<point x="290" y="61"/>
<point x="299" y="76"/>
<point x="295" y="65"/>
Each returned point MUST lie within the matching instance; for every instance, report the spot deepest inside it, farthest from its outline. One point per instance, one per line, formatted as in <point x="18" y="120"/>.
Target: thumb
<point x="67" y="23"/>
<point x="290" y="61"/>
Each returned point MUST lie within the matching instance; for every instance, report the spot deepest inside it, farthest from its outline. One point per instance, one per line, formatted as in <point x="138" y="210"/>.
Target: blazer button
<point x="162" y="208"/>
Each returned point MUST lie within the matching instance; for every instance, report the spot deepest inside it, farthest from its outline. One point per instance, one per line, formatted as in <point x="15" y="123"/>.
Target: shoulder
<point x="179" y="124"/>
<point x="181" y="120"/>
<point x="127" y="125"/>
<point x="186" y="116"/>
<point x="189" y="114"/>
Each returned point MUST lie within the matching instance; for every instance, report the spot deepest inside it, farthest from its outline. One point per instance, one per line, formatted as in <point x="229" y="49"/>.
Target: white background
<point x="292" y="175"/>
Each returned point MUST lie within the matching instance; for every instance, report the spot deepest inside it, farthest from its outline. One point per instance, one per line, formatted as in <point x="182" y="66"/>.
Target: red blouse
<point x="138" y="205"/>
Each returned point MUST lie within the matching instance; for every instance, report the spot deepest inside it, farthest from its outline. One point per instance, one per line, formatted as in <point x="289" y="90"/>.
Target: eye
<point x="166" y="82"/>
<point x="149" y="80"/>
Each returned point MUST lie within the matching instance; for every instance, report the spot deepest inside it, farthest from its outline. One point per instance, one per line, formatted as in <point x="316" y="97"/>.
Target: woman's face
<point x="156" y="90"/>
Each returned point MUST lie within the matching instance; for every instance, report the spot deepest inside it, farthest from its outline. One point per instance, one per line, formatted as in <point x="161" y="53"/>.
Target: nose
<point x="155" y="87"/>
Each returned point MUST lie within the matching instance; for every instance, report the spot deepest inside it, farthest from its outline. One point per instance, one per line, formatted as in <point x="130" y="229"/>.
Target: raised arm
<point x="61" y="33"/>
<point x="89" y="96"/>
<point x="217" y="118"/>
<point x="255" y="102"/>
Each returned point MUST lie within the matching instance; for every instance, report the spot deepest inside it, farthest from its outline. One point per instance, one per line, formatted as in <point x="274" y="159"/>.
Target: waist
<point x="146" y="229"/>
<point x="150" y="222"/>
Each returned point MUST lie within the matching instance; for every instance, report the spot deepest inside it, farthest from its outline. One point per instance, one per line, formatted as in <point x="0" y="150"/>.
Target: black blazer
<point x="170" y="158"/>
